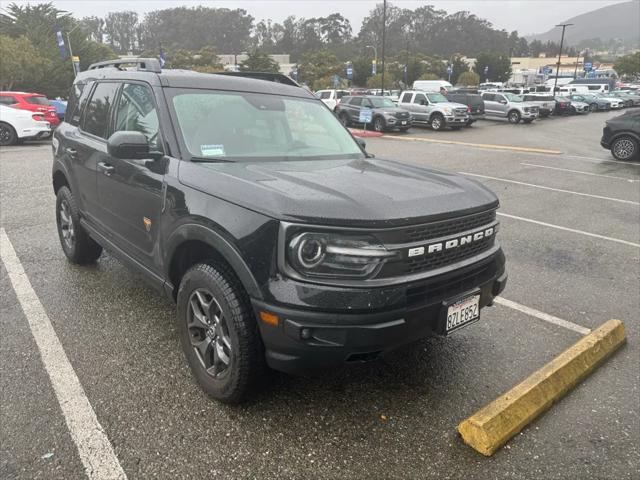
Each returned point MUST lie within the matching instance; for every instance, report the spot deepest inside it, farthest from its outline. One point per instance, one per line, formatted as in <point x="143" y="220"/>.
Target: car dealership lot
<point x="571" y="239"/>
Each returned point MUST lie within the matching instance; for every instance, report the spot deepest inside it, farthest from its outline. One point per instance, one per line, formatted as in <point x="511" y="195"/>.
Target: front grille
<point x="447" y="257"/>
<point x="461" y="111"/>
<point x="447" y="227"/>
<point x="402" y="115"/>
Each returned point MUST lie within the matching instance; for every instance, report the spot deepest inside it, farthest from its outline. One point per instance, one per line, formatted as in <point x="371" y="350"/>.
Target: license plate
<point x="462" y="313"/>
<point x="404" y="122"/>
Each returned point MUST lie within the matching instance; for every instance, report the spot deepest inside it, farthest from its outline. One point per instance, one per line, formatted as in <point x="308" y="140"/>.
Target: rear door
<point x="130" y="190"/>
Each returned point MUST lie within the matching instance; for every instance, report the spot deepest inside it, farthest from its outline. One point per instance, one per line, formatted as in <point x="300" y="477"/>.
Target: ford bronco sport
<point x="283" y="243"/>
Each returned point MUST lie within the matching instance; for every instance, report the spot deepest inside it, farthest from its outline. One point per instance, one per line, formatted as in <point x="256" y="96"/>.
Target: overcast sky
<point x="526" y="16"/>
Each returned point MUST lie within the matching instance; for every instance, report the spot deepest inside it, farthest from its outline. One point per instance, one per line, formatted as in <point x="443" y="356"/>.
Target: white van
<point x="573" y="89"/>
<point x="431" y="85"/>
<point x="593" y="87"/>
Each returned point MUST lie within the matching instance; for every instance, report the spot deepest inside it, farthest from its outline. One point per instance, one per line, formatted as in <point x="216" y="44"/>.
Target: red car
<point x="33" y="102"/>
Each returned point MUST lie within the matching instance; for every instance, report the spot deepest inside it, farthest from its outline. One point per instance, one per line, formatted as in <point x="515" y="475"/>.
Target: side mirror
<point x="129" y="145"/>
<point x="504" y="102"/>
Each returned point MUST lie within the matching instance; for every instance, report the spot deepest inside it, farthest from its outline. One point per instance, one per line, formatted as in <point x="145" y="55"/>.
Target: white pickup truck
<point x="331" y="98"/>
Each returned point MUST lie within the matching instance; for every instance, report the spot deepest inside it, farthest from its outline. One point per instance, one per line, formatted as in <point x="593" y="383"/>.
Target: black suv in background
<point x="385" y="115"/>
<point x="282" y="242"/>
<point x="471" y="99"/>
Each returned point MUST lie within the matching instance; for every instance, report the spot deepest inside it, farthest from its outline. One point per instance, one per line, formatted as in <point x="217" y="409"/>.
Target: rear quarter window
<point x="74" y="104"/>
<point x="37" y="100"/>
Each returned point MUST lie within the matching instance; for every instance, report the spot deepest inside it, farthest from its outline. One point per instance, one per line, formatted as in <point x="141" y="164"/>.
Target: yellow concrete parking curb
<point x="493" y="425"/>
<point x="478" y="145"/>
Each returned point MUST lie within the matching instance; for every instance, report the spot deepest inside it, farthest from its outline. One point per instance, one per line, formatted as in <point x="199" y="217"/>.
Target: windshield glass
<point x="37" y="100"/>
<point x="437" y="98"/>
<point x="381" y="102"/>
<point x="241" y="126"/>
<point x="512" y="97"/>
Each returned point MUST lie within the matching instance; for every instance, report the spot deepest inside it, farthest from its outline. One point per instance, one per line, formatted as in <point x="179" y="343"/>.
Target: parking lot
<point x="571" y="234"/>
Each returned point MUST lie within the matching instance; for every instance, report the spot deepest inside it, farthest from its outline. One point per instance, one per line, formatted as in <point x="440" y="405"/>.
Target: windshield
<point x="512" y="97"/>
<point x="437" y="98"/>
<point x="37" y="100"/>
<point x="241" y="126"/>
<point x="381" y="102"/>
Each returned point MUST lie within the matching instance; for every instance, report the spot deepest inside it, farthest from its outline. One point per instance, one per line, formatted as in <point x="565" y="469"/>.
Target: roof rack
<point x="143" y="64"/>
<point x="271" y="77"/>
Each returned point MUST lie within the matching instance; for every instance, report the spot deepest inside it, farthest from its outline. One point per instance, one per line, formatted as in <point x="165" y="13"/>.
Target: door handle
<point x="72" y="152"/>
<point x="106" y="168"/>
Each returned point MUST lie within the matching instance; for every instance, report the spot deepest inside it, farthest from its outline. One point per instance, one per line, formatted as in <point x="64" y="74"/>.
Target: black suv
<point x="282" y="242"/>
<point x="621" y="135"/>
<point x="385" y="115"/>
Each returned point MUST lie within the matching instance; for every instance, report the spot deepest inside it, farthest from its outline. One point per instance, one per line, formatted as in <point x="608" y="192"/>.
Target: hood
<point x="391" y="110"/>
<point x="358" y="192"/>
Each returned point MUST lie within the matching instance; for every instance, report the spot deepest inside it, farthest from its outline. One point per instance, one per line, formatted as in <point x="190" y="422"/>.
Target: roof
<point x="191" y="79"/>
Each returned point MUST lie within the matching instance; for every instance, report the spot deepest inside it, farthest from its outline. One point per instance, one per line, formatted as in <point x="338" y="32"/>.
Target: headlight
<point x="333" y="255"/>
<point x="448" y="111"/>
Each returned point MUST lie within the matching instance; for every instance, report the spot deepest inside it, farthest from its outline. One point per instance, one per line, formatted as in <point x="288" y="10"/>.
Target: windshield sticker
<point x="212" y="150"/>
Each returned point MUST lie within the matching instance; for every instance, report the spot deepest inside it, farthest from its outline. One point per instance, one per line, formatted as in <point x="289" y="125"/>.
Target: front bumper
<point x="37" y="132"/>
<point x="307" y="339"/>
<point x="398" y="123"/>
<point x="456" y="120"/>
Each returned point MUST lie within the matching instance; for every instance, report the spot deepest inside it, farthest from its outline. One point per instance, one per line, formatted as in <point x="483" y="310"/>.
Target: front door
<point x="130" y="190"/>
<point x="420" y="108"/>
<point x="490" y="104"/>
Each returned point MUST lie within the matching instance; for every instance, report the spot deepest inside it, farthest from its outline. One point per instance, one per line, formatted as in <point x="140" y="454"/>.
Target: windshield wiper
<point x="211" y="160"/>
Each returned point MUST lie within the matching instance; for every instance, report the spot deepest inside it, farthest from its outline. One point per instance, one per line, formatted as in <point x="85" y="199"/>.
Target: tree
<point x="499" y="67"/>
<point x="429" y="76"/>
<point x="458" y="67"/>
<point x="315" y="65"/>
<point x="122" y="31"/>
<point x="468" y="79"/>
<point x="390" y="80"/>
<point x="629" y="65"/>
<point x="21" y="62"/>
<point x="204" y="60"/>
<point x="259" y="62"/>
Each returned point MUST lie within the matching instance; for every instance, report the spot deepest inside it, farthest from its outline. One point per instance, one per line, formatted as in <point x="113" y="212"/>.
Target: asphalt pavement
<point x="570" y="230"/>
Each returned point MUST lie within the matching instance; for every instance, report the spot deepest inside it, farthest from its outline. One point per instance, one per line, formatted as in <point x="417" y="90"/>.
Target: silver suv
<point x="510" y="106"/>
<point x="434" y="109"/>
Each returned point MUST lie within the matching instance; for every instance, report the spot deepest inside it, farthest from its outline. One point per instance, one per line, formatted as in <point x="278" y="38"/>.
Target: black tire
<point x="344" y="119"/>
<point x="437" y="122"/>
<point x="514" y="117"/>
<point x="76" y="243"/>
<point x="527" y="120"/>
<point x="230" y="332"/>
<point x="469" y="123"/>
<point x="625" y="148"/>
<point x="8" y="135"/>
<point x="378" y="124"/>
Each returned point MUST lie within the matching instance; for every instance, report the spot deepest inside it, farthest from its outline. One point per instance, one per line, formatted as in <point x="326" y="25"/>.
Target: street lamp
<point x="375" y="53"/>
<point x="564" y="26"/>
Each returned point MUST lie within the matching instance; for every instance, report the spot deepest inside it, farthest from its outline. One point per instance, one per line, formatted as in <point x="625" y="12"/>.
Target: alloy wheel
<point x="624" y="148"/>
<point x="209" y="332"/>
<point x="66" y="224"/>
<point x="5" y="135"/>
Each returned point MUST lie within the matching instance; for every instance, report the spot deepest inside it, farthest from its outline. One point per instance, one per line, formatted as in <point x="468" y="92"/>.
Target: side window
<point x="489" y="97"/>
<point x="96" y="115"/>
<point x="406" y="97"/>
<point x="356" y="101"/>
<point x="420" y="99"/>
<point x="367" y="103"/>
<point x="137" y="112"/>
<point x="341" y="93"/>
<point x="72" y="114"/>
<point x="325" y="95"/>
<point x="7" y="100"/>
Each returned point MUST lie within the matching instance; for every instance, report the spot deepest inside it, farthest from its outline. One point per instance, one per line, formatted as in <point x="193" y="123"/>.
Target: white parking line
<point x="600" y="197"/>
<point x="580" y="172"/>
<point x="572" y="230"/>
<point x="600" y="160"/>
<point x="95" y="450"/>
<point x="542" y="316"/>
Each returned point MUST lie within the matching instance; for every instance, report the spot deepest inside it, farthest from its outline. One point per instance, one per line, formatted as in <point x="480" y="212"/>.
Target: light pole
<point x="375" y="55"/>
<point x="564" y="26"/>
<point x="70" y="50"/>
<point x="384" y="33"/>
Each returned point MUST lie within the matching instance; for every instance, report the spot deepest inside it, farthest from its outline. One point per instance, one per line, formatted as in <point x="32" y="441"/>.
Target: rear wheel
<point x="344" y="119"/>
<point x="625" y="148"/>
<point x="514" y="116"/>
<point x="8" y="135"/>
<point x="219" y="334"/>
<point x="437" y="122"/>
<point x="76" y="243"/>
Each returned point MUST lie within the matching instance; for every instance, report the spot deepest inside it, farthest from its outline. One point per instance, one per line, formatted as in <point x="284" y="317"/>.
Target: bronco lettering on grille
<point x="451" y="243"/>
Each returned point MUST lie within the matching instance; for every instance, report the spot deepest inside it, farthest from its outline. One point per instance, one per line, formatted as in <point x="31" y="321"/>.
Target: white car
<point x="331" y="98"/>
<point x="17" y="125"/>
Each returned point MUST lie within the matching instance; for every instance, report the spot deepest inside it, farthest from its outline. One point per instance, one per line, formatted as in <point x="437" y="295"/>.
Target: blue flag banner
<point x="163" y="58"/>
<point x="60" y="42"/>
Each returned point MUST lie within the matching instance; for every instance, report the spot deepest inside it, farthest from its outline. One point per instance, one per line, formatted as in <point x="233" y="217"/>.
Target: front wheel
<point x="219" y="334"/>
<point x="8" y="135"/>
<point x="625" y="148"/>
<point x="76" y="243"/>
<point x="437" y="122"/>
<point x="378" y="124"/>
<point x="514" y="117"/>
